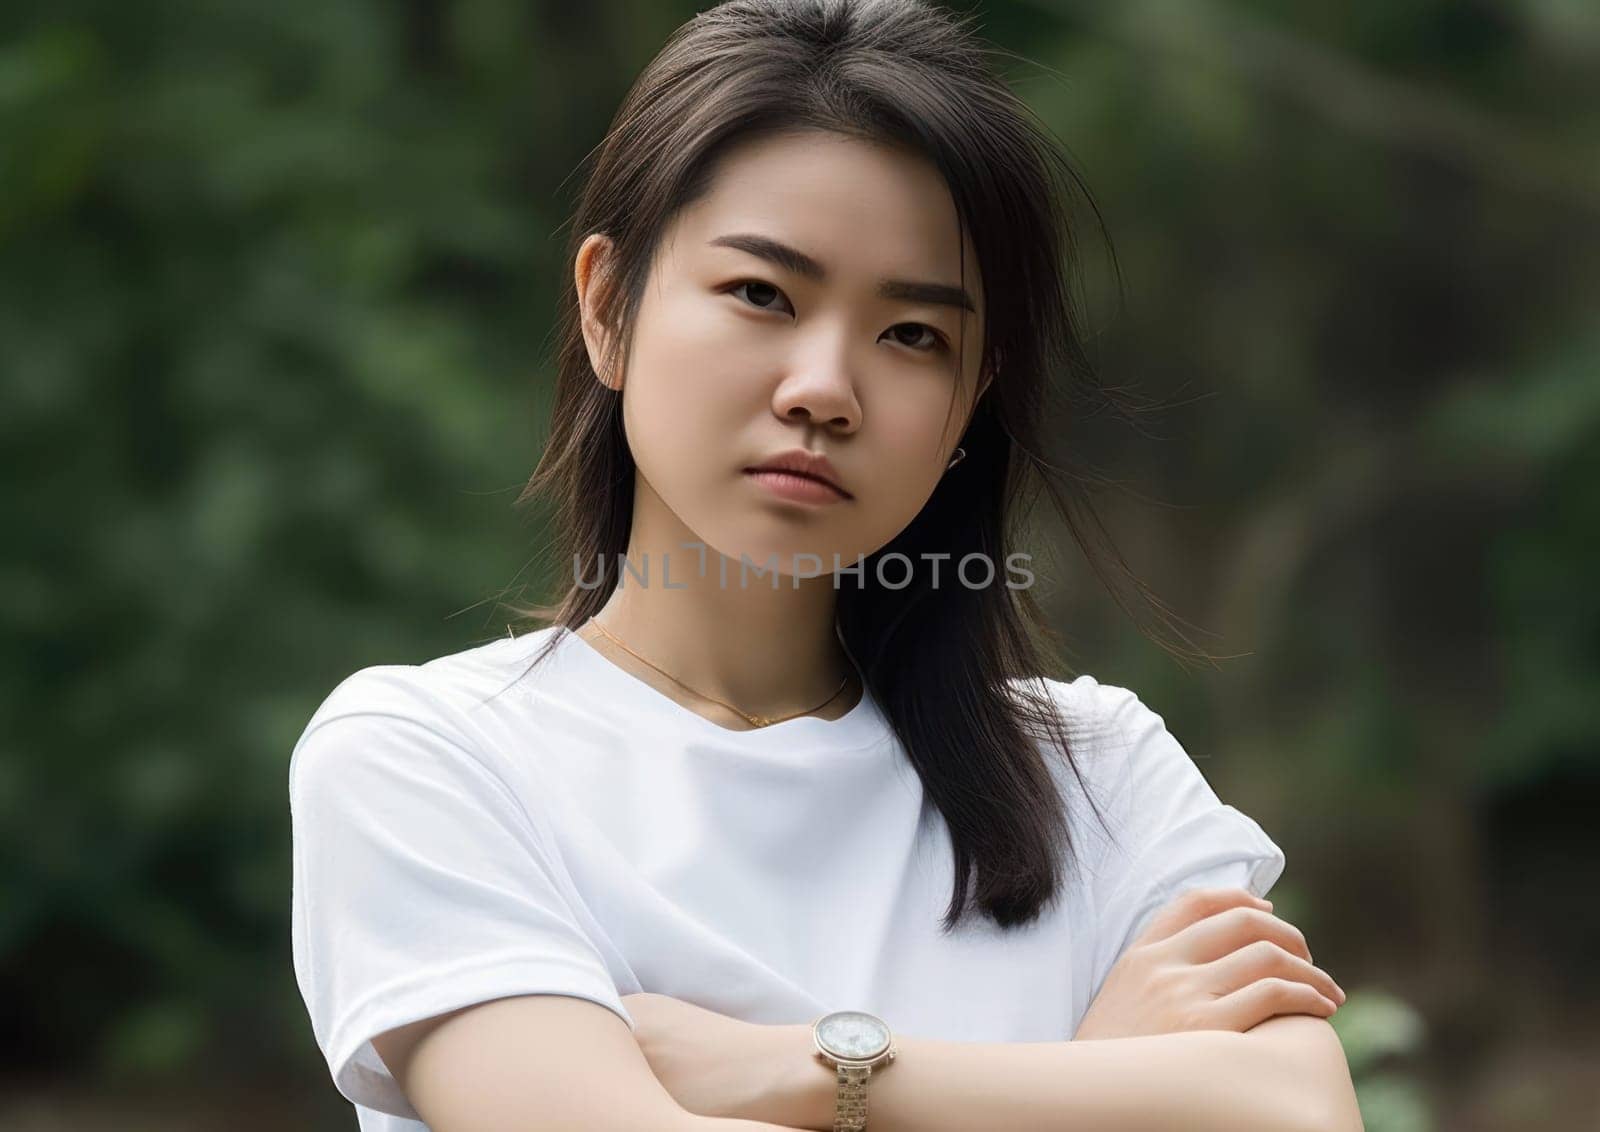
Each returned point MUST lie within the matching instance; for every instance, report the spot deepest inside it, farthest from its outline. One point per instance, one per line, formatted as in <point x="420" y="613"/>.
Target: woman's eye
<point x="763" y="296"/>
<point x="933" y="340"/>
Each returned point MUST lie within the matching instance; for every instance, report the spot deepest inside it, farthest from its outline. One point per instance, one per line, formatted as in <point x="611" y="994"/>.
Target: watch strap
<point x="850" y="1102"/>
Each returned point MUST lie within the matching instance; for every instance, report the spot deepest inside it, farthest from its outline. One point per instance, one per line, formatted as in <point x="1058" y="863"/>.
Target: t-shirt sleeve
<point x="421" y="884"/>
<point x="1172" y="832"/>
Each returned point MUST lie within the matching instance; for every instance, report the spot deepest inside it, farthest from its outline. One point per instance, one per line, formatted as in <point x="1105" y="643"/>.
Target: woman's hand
<point x="714" y="1065"/>
<point x="1213" y="959"/>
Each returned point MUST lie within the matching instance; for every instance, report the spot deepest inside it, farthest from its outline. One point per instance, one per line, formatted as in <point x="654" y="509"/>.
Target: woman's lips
<point x="796" y="488"/>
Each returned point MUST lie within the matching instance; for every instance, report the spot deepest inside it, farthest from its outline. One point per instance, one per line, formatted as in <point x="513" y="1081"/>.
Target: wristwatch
<point x="853" y="1043"/>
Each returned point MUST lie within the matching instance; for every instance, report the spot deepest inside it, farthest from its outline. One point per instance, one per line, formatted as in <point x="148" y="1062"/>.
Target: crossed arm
<point x="555" y="1062"/>
<point x="1286" y="1075"/>
<point x="1202" y="1024"/>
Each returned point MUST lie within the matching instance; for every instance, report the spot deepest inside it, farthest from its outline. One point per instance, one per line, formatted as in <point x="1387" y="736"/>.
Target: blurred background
<point x="276" y="282"/>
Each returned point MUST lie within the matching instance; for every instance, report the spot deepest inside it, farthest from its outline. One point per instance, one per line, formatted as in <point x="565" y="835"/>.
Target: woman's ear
<point x="592" y="274"/>
<point x="988" y="377"/>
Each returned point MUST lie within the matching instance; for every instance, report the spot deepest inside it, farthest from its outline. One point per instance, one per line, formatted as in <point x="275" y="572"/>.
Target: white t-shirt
<point x="581" y="833"/>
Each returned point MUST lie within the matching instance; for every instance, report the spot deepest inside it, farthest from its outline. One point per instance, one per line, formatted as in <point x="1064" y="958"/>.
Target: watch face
<point x="852" y="1035"/>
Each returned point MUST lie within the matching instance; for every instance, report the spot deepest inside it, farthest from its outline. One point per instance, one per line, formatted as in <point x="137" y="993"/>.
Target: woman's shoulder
<point x="427" y="711"/>
<point x="1096" y="715"/>
<point x="450" y="682"/>
<point x="1121" y="751"/>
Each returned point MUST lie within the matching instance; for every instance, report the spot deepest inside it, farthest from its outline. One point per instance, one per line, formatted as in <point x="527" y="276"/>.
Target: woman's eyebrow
<point x="796" y="261"/>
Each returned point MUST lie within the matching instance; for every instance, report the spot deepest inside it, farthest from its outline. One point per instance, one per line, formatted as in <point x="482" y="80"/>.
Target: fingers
<point x="1255" y="963"/>
<point x="1264" y="959"/>
<point x="1231" y="929"/>
<point x="1196" y="905"/>
<point x="1251" y="1005"/>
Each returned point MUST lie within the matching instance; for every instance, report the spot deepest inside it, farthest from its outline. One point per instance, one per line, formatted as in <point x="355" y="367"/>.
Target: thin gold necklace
<point x="753" y="720"/>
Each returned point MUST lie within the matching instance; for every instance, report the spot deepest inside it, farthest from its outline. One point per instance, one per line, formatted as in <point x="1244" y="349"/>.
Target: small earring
<point x="961" y="454"/>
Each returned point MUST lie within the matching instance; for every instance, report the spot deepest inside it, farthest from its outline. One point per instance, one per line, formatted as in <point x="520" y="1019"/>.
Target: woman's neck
<point x="764" y="650"/>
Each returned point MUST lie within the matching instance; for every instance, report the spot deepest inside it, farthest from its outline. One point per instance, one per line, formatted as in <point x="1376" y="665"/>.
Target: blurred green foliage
<point x="276" y="282"/>
<point x="1376" y="1028"/>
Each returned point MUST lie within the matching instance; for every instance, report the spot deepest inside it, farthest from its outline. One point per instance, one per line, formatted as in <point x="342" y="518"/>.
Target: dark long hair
<point x="951" y="666"/>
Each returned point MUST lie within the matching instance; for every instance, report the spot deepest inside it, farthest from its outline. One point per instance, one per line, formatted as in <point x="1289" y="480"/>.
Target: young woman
<point x="776" y="820"/>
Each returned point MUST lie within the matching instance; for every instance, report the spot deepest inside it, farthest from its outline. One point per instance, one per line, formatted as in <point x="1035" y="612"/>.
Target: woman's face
<point x="742" y="351"/>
